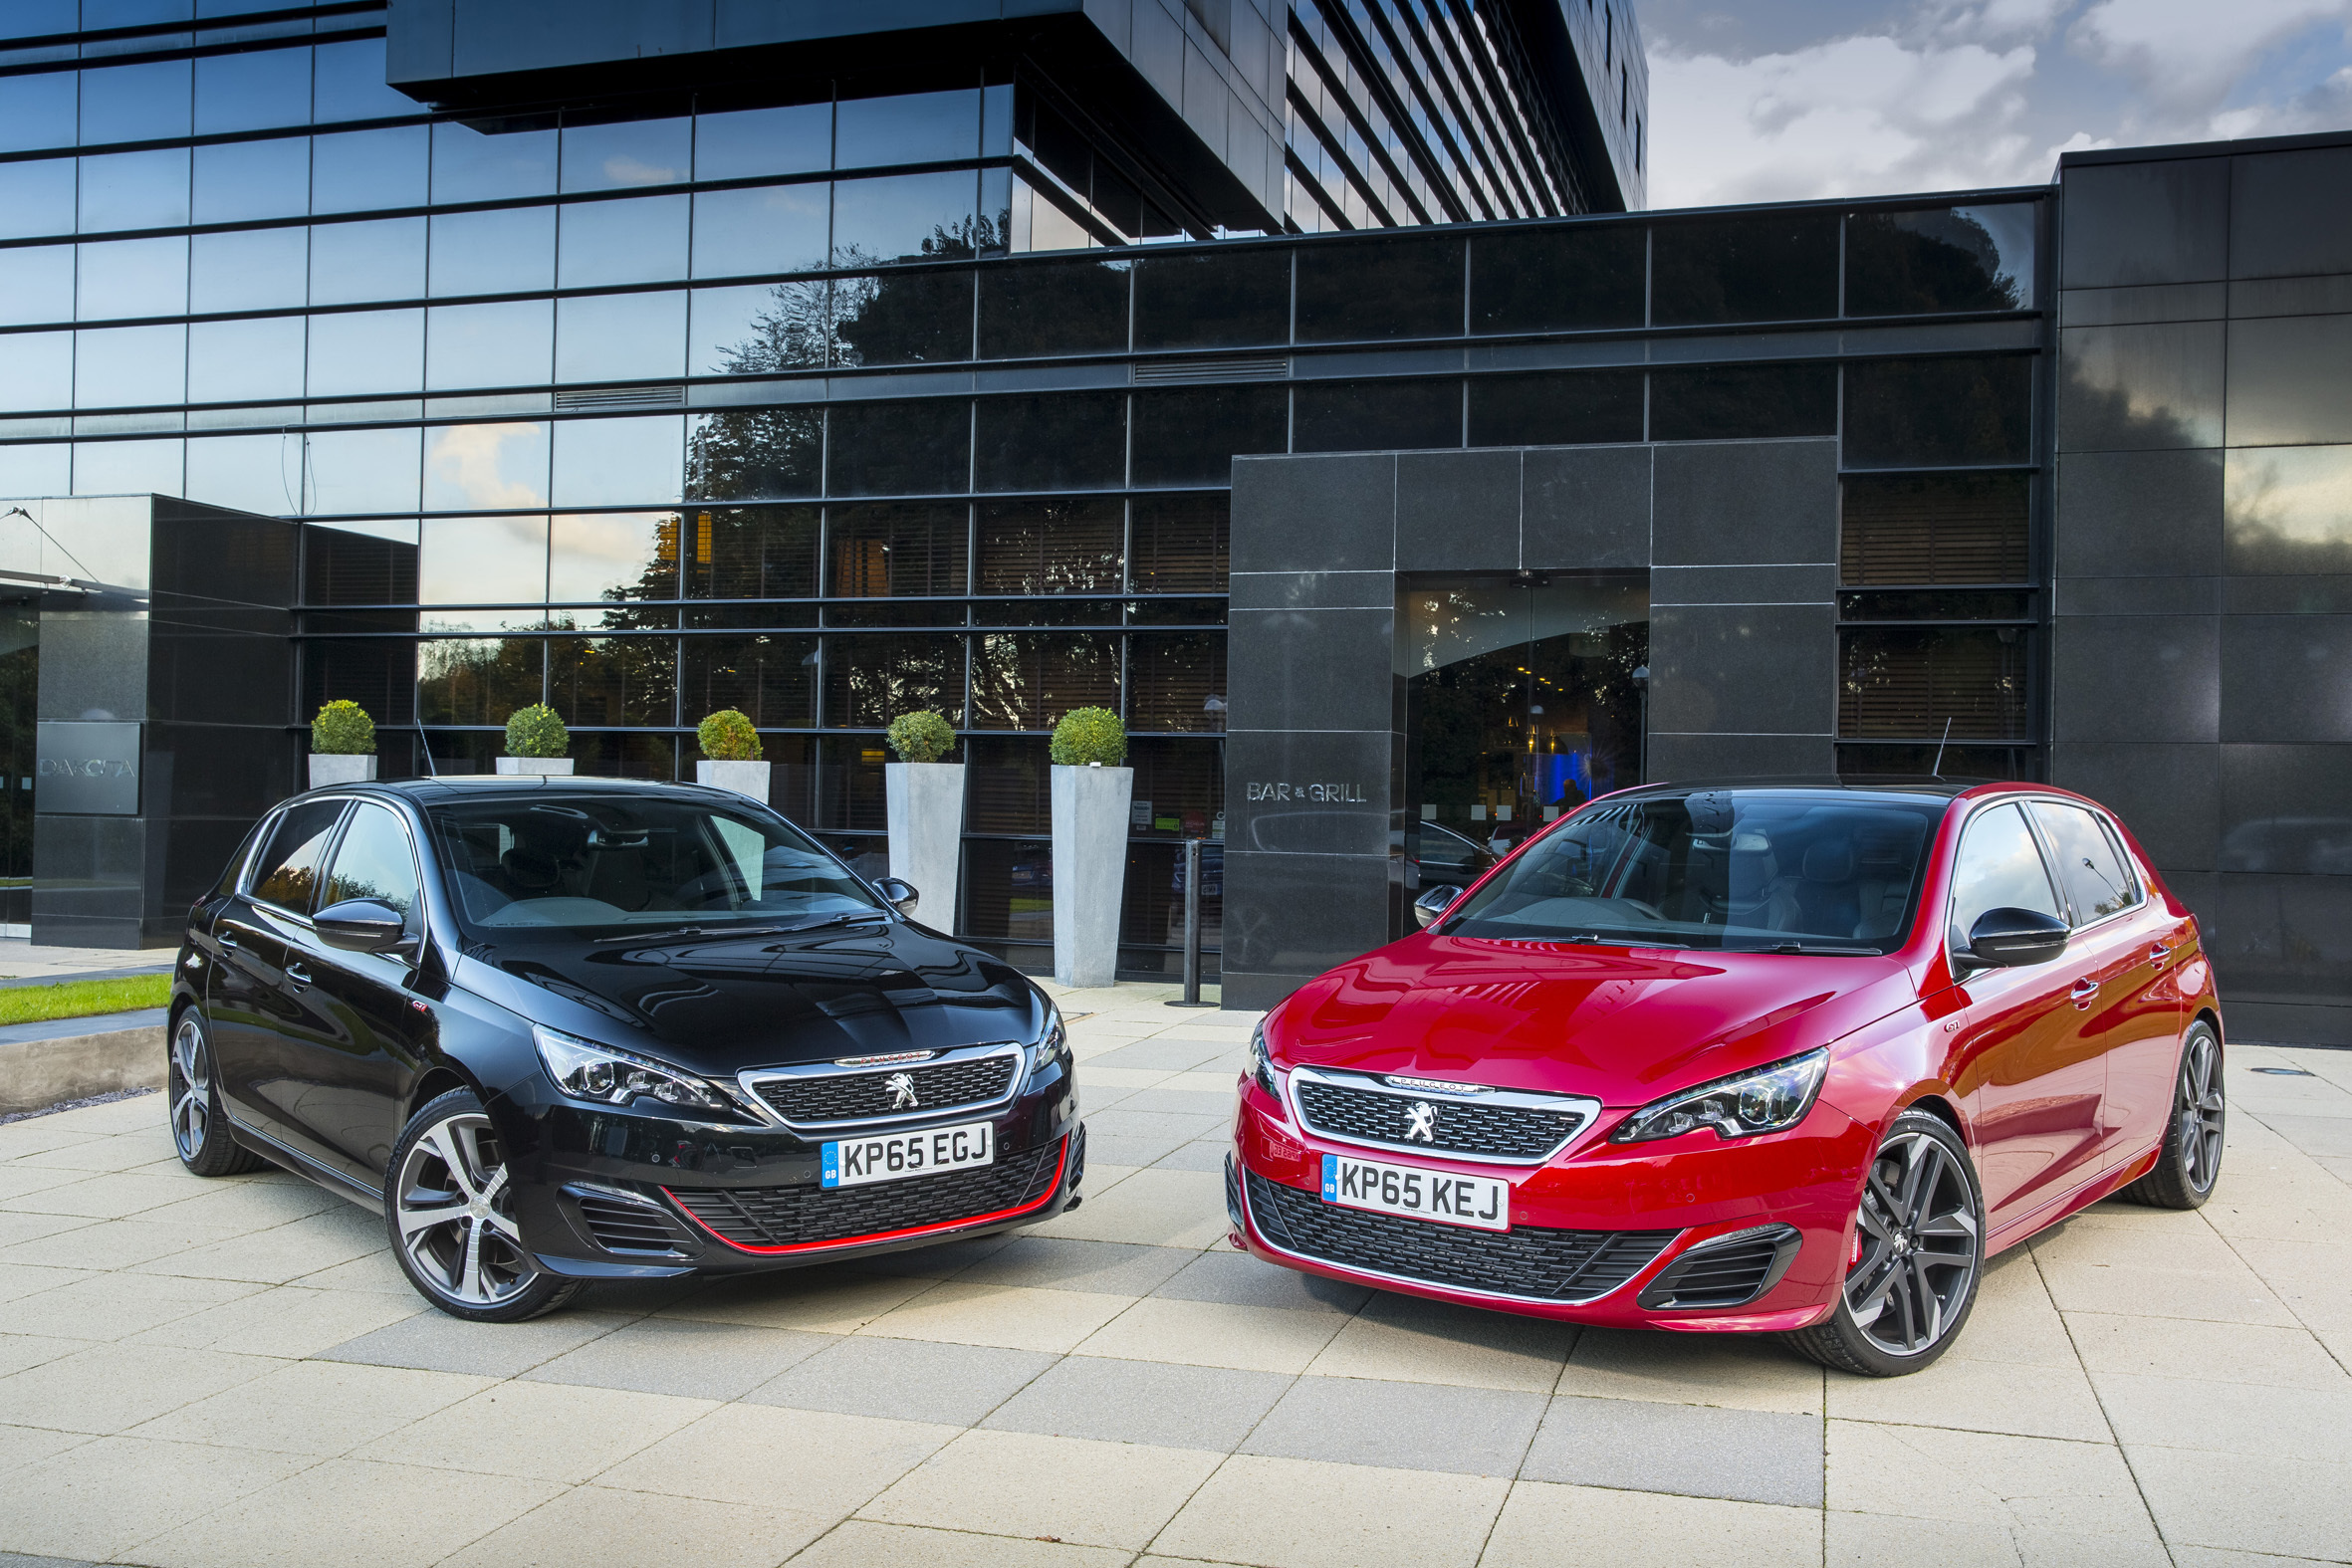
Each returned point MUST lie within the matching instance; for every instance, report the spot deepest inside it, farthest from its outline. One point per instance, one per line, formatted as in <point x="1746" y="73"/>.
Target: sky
<point x="1781" y="100"/>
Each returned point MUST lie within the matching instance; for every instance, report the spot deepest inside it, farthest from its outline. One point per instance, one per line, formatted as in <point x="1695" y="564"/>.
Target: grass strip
<point x="76" y="999"/>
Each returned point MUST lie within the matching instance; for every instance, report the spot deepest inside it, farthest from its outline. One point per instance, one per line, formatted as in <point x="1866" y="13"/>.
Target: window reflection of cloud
<point x="483" y="560"/>
<point x="593" y="554"/>
<point x="486" y="467"/>
<point x="2298" y="497"/>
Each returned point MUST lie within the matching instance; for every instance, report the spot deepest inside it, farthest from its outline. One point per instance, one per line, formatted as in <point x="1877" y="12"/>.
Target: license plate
<point x="1476" y="1200"/>
<point x="893" y="1156"/>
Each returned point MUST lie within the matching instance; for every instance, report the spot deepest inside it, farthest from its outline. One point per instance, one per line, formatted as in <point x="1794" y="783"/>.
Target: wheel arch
<point x="436" y="1080"/>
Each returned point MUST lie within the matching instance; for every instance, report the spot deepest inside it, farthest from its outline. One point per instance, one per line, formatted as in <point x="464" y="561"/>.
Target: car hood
<point x="720" y="1005"/>
<point x="1623" y="1024"/>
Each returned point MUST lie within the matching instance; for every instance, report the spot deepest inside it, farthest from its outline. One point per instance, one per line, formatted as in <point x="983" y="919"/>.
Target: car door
<point x="2032" y="1074"/>
<point x="255" y="1009"/>
<point x="2127" y="942"/>
<point x="365" y="1034"/>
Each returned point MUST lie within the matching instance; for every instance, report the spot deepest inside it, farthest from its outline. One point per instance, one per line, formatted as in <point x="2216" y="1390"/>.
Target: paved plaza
<point x="235" y="1373"/>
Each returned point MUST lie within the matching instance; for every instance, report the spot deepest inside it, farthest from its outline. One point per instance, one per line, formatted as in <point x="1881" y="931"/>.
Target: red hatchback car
<point x="1790" y="1058"/>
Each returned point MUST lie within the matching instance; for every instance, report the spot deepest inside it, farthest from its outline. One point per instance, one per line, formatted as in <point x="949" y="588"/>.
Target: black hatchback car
<point x="566" y="1029"/>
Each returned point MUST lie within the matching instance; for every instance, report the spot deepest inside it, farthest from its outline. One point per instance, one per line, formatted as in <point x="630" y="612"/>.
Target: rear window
<point x="287" y="871"/>
<point x="2096" y="880"/>
<point x="1759" y="870"/>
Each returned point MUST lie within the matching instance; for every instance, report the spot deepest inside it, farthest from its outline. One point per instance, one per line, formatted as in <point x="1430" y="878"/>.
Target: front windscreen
<point x="1765" y="870"/>
<point x="530" y="867"/>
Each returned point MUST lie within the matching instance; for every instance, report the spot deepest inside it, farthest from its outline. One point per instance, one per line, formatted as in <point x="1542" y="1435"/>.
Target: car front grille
<point x="862" y="1096"/>
<point x="627" y="1228"/>
<point x="758" y="1216"/>
<point x="1722" y="1276"/>
<point x="1527" y="1261"/>
<point x="1496" y="1132"/>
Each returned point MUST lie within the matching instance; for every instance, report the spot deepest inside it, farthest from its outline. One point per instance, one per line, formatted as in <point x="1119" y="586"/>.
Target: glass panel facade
<point x="746" y="404"/>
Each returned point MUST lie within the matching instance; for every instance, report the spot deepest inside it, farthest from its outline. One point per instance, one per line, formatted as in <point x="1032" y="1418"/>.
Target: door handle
<point x="2158" y="953"/>
<point x="2084" y="989"/>
<point x="227" y="940"/>
<point x="296" y="973"/>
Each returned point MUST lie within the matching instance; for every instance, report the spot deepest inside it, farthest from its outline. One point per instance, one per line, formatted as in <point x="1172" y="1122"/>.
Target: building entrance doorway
<point x="1521" y="702"/>
<point x="20" y="690"/>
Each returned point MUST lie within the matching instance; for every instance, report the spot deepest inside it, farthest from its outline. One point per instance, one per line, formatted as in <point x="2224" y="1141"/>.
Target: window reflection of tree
<point x="477" y="680"/>
<point x="871" y="680"/>
<point x="1029" y="680"/>
<point x="1050" y="546"/>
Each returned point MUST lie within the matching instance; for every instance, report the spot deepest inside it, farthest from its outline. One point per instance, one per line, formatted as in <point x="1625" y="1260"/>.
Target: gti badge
<point x="1421" y="1122"/>
<point x="902" y="1090"/>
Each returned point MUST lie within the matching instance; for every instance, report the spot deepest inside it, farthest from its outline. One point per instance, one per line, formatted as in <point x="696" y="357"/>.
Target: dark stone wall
<point x="2202" y="614"/>
<point x="1740" y="542"/>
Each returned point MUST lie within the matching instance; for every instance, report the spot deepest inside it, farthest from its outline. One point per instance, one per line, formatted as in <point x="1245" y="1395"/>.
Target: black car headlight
<point x="1050" y="1045"/>
<point x="1765" y="1100"/>
<point x="1262" y="1063"/>
<point x="586" y="1070"/>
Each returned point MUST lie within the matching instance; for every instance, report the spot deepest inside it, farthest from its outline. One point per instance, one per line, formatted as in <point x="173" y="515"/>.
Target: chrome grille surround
<point x="1579" y="1113"/>
<point x="780" y="1080"/>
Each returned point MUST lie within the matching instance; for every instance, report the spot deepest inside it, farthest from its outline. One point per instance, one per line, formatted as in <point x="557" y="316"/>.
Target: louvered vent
<point x="1195" y="372"/>
<point x="584" y="398"/>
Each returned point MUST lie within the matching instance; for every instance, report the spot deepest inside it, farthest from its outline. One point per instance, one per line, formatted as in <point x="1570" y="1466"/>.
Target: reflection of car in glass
<point x="1750" y="1058"/>
<point x="1212" y="871"/>
<point x="566" y="1029"/>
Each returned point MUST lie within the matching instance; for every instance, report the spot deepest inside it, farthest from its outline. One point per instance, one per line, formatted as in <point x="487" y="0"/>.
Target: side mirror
<point x="2015" y="938"/>
<point x="360" y="925"/>
<point x="900" y="892"/>
<point x="1433" y="903"/>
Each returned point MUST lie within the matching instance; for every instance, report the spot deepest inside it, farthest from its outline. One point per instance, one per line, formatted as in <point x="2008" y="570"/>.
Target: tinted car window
<point x="545" y="866"/>
<point x="1756" y="869"/>
<point x="2096" y="883"/>
<point x="374" y="861"/>
<point x="2000" y="867"/>
<point x="287" y="872"/>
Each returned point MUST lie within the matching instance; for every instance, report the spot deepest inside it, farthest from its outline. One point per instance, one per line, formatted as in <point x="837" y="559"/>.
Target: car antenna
<point x="1937" y="771"/>
<point x="431" y="771"/>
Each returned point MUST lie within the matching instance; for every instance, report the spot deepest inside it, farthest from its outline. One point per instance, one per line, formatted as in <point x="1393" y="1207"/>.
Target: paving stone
<point x="1401" y="1426"/>
<point x="1060" y="1263"/>
<point x="603" y="1527"/>
<point x="1303" y="1514"/>
<point x="691" y="1359"/>
<point x="1177" y="1407"/>
<point x="99" y="1499"/>
<point x="1024" y="1486"/>
<point x="905" y="1379"/>
<point x="865" y="1543"/>
<point x="1691" y="1450"/>
<point x="437" y="1342"/>
<point x="1545" y="1525"/>
<point x="351" y="1511"/>
<point x="1238" y="1280"/>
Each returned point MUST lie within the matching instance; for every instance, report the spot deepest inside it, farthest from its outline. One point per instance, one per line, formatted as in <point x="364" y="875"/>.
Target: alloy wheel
<point x="1918" y="1246"/>
<point x="191" y="1088"/>
<point x="2200" y="1111"/>
<point x="456" y="1214"/>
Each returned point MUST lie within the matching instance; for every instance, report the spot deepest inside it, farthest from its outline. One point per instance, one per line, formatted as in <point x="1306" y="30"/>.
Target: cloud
<point x="2186" y="57"/>
<point x="1851" y="116"/>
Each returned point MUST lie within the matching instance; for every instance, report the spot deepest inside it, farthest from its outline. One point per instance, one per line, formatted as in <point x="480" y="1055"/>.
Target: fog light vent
<point x="1726" y="1271"/>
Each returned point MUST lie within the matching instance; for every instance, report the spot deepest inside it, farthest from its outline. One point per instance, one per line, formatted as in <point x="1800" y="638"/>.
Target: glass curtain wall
<point x="729" y="403"/>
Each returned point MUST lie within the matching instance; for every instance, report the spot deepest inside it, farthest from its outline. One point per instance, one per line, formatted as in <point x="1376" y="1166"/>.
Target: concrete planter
<point x="926" y="811"/>
<point x="1089" y="870"/>
<point x="743" y="778"/>
<point x="341" y="768"/>
<point x="535" y="765"/>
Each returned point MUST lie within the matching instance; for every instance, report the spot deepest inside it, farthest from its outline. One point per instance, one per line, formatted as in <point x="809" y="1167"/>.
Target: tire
<point x="1921" y="1229"/>
<point x="199" y="1127"/>
<point x="2189" y="1161"/>
<point x="450" y="1213"/>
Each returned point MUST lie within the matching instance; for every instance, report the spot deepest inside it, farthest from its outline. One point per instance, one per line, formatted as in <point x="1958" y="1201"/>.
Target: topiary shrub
<point x="342" y="729"/>
<point x="728" y="737"/>
<point x="537" y="732"/>
<point x="1089" y="735"/>
<point x="922" y="737"/>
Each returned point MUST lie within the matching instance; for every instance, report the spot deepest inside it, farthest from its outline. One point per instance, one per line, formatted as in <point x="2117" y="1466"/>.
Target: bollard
<point x="1192" y="927"/>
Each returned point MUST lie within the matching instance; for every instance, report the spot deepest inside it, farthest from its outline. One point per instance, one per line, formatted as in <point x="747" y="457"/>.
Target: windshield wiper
<point x="1811" y="947"/>
<point x="655" y="938"/>
<point x="842" y="919"/>
<point x="1621" y="939"/>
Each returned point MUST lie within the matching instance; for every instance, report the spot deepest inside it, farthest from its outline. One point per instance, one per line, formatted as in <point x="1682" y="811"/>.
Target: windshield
<point x="586" y="866"/>
<point x="1759" y="869"/>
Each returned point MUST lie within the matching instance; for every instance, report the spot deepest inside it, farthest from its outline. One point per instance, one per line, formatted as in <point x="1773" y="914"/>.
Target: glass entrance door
<point x="1519" y="704"/>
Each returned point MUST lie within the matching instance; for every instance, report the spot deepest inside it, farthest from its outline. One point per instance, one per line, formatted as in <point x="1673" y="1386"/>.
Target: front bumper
<point x="613" y="1192"/>
<point x="1625" y="1235"/>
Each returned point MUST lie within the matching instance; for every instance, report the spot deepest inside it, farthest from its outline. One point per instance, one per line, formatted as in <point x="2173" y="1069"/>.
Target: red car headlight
<point x="1765" y="1100"/>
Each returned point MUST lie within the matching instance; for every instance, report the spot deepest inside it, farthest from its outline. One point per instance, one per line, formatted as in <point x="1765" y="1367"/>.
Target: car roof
<point x="1946" y="789"/>
<point x="458" y="787"/>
